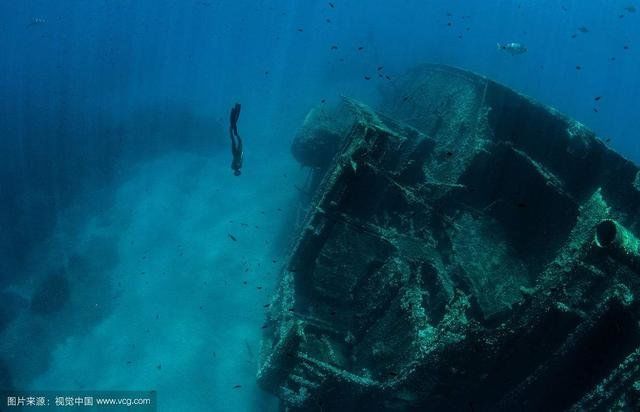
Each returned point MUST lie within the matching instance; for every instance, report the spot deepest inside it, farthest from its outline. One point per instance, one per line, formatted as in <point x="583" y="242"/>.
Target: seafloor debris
<point x="469" y="249"/>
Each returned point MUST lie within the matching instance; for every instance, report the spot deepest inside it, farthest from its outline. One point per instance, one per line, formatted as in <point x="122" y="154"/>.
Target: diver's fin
<point x="237" y="111"/>
<point x="235" y="114"/>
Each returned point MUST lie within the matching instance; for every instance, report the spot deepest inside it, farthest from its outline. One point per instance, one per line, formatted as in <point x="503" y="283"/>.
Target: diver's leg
<point x="234" y="144"/>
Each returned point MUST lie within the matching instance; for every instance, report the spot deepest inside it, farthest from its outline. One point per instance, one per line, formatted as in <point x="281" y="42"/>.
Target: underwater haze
<point x="131" y="257"/>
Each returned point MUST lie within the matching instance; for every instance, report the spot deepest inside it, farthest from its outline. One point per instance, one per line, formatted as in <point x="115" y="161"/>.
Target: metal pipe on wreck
<point x="618" y="242"/>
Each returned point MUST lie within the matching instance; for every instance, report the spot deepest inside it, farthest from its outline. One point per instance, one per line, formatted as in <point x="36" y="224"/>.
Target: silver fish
<point x="512" y="48"/>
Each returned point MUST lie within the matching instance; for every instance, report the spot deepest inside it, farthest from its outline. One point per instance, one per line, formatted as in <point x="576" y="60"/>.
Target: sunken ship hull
<point x="463" y="248"/>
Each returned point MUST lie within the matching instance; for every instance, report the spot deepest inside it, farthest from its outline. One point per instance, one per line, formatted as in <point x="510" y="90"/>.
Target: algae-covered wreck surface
<point x="464" y="248"/>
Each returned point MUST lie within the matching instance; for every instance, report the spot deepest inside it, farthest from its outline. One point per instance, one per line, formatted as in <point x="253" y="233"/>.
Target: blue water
<point x="118" y="201"/>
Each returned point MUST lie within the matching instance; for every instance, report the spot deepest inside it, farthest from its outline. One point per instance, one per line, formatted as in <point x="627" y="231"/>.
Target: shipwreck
<point x="463" y="248"/>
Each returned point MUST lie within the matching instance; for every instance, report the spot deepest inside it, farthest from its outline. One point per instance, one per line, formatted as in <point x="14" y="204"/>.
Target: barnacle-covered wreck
<point x="465" y="248"/>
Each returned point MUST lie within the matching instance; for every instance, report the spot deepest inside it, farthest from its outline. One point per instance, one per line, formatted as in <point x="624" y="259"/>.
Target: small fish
<point x="583" y="29"/>
<point x="300" y="30"/>
<point x="597" y="98"/>
<point x="521" y="205"/>
<point x="328" y="20"/>
<point x="367" y="78"/>
<point x="360" y="47"/>
<point x="380" y="68"/>
<point x="626" y="47"/>
<point x="607" y="140"/>
<point x="333" y="6"/>
<point x="334" y="47"/>
<point x="578" y="67"/>
<point x="37" y="21"/>
<point x="232" y="237"/>
<point x="237" y="387"/>
<point x="322" y="101"/>
<point x="512" y="48"/>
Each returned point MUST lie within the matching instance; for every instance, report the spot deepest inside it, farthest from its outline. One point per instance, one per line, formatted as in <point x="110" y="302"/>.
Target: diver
<point x="236" y="141"/>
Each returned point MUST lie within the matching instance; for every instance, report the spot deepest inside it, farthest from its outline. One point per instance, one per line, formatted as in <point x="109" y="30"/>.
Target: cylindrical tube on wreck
<point x="619" y="242"/>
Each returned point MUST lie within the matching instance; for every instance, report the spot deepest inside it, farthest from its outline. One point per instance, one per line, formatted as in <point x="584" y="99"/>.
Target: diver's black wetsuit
<point x="236" y="141"/>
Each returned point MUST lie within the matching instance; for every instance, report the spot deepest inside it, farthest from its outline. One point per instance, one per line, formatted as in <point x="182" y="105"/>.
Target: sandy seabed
<point x="167" y="283"/>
